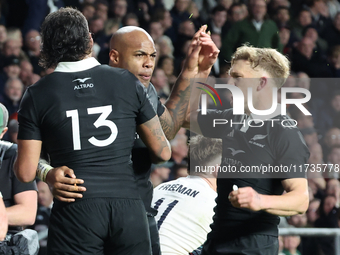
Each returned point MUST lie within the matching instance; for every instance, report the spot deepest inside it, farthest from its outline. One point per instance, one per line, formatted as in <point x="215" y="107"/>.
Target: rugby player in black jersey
<point x="133" y="48"/>
<point x="85" y="115"/>
<point x="246" y="218"/>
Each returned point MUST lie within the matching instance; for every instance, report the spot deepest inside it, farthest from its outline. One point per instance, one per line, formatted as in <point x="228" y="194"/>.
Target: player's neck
<point x="211" y="182"/>
<point x="88" y="56"/>
<point x="263" y="103"/>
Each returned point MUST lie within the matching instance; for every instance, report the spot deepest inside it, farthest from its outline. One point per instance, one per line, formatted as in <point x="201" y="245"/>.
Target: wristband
<point x="42" y="170"/>
<point x="0" y="194"/>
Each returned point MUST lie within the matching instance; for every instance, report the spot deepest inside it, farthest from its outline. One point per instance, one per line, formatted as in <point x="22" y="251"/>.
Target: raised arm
<point x="201" y="56"/>
<point x="191" y="121"/>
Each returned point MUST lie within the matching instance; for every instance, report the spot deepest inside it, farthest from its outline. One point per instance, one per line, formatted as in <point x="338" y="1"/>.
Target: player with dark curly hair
<point x="84" y="119"/>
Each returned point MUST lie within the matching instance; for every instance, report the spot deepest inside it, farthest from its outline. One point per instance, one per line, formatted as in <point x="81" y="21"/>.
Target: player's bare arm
<point x="153" y="137"/>
<point x="207" y="57"/>
<point x="27" y="160"/>
<point x="176" y="106"/>
<point x="24" y="210"/>
<point x="200" y="58"/>
<point x="294" y="201"/>
<point x="25" y="169"/>
<point x="175" y="109"/>
<point x="192" y="111"/>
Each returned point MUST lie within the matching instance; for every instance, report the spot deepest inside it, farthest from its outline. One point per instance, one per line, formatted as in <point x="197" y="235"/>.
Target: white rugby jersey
<point x="185" y="211"/>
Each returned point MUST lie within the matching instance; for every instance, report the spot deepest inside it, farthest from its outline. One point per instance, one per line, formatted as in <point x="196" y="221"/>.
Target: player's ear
<point x="262" y="84"/>
<point x="91" y="40"/>
<point x="114" y="57"/>
<point x="217" y="167"/>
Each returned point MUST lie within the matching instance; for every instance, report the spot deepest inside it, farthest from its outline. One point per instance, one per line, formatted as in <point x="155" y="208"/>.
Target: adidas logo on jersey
<point x="231" y="134"/>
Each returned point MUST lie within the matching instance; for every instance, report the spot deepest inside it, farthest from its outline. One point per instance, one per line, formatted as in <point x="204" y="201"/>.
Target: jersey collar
<point x="77" y="66"/>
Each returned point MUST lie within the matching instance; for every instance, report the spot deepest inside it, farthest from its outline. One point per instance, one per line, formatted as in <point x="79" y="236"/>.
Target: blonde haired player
<point x="246" y="219"/>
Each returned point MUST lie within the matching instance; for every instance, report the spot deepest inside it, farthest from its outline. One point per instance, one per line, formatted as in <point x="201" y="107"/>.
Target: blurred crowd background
<point x="306" y="31"/>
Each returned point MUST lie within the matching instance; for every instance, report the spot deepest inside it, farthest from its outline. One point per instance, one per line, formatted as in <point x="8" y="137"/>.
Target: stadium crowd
<point x="307" y="31"/>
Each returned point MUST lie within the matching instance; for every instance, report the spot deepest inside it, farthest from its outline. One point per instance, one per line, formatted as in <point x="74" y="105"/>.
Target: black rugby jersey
<point x="9" y="184"/>
<point x="141" y="157"/>
<point x="87" y="121"/>
<point x="265" y="143"/>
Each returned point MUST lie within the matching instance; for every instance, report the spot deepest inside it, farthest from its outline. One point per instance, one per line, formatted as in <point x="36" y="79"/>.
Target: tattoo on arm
<point x="176" y="108"/>
<point x="159" y="135"/>
<point x="167" y="123"/>
<point x="161" y="139"/>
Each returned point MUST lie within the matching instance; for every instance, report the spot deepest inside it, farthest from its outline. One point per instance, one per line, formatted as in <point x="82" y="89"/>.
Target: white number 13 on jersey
<point x="101" y="121"/>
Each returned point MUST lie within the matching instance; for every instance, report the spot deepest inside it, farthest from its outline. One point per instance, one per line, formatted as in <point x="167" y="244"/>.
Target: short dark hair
<point x="203" y="149"/>
<point x="179" y="166"/>
<point x="233" y="6"/>
<point x="303" y="10"/>
<point x="129" y="15"/>
<point x="310" y="3"/>
<point x="162" y="59"/>
<point x="334" y="51"/>
<point x="65" y="37"/>
<point x="218" y="8"/>
<point x="103" y="2"/>
<point x="305" y="29"/>
<point x="94" y="18"/>
<point x="281" y="8"/>
<point x="159" y="14"/>
<point x="84" y="5"/>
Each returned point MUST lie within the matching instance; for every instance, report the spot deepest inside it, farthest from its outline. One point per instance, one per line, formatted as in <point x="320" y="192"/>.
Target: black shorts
<point x="154" y="236"/>
<point x="246" y="245"/>
<point x="99" y="226"/>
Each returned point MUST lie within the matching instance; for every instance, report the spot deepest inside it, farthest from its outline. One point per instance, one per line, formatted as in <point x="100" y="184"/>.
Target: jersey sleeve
<point x="291" y="151"/>
<point x="18" y="187"/>
<point x="146" y="111"/>
<point x="215" y="123"/>
<point x="27" y="118"/>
